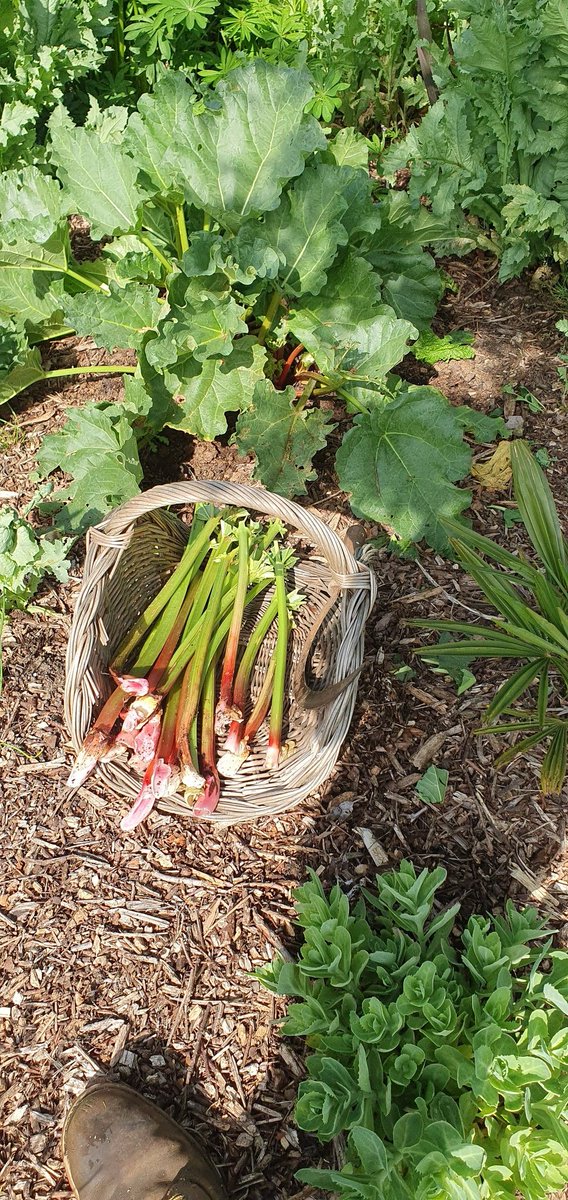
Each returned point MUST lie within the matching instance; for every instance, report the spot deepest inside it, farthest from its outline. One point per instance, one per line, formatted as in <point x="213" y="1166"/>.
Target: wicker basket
<point x="129" y="556"/>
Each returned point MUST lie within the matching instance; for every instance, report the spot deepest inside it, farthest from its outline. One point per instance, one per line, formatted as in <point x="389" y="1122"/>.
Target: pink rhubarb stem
<point x="240" y="690"/>
<point x="207" y="802"/>
<point x="232" y="648"/>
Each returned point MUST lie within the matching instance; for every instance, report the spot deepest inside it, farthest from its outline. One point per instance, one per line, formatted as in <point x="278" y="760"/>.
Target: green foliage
<point x="531" y="624"/>
<point x="25" y="557"/>
<point x="205" y="273"/>
<point x="443" y="1060"/>
<point x="495" y="145"/>
<point x="400" y="463"/>
<point x="432" y="787"/>
<point x="432" y="349"/>
<point x="44" y="48"/>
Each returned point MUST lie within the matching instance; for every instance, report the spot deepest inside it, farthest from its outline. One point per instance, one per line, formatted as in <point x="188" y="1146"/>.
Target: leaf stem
<point x="277" y="706"/>
<point x="228" y="673"/>
<point x="350" y="400"/>
<point x="82" y="279"/>
<point x="193" y="677"/>
<point x="182" y="229"/>
<point x="105" y="369"/>
<point x="157" y="252"/>
<point x="266" y="323"/>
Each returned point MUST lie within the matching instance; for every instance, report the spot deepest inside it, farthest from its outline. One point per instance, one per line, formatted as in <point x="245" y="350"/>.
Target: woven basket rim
<point x="107" y="542"/>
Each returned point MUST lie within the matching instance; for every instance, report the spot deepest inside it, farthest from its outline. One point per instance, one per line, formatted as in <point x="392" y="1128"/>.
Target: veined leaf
<point x="30" y="205"/>
<point x="284" y="437"/>
<point x="98" y="449"/>
<point x="198" y="331"/>
<point x="100" y="179"/>
<point x="208" y="391"/>
<point x="306" y="229"/>
<point x="432" y="787"/>
<point x="29" y="370"/>
<point x="399" y="464"/>
<point x="351" y="296"/>
<point x="360" y="363"/>
<point x="411" y="284"/>
<point x="234" y="159"/>
<point x="119" y="320"/>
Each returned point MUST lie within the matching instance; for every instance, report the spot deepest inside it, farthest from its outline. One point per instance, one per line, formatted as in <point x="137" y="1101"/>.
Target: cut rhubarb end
<point x="191" y="778"/>
<point x="142" y="806"/>
<point x="133" y="686"/>
<point x="165" y="779"/>
<point x="207" y="802"/>
<point x="272" y="757"/>
<point x="146" y="741"/>
<point x="229" y="764"/>
<point x="234" y="738"/>
<point x="84" y="764"/>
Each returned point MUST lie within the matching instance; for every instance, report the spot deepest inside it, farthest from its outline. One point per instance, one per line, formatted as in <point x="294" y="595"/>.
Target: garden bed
<point x="134" y="952"/>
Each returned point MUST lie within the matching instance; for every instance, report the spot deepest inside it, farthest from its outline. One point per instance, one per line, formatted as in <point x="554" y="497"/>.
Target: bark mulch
<point x="134" y="953"/>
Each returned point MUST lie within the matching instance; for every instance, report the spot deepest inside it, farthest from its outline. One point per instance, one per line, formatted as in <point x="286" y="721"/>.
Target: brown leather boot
<point x="119" y="1146"/>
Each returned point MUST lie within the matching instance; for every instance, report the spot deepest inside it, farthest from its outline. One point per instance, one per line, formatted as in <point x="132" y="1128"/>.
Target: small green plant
<point x="25" y="557"/>
<point x="531" y="625"/>
<point x="443" y="1059"/>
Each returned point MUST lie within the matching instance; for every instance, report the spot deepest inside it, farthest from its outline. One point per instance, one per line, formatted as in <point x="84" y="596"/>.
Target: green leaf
<point x="370" y="1150"/>
<point x="349" y="149"/>
<point x="118" y="320"/>
<point x="30" y="205"/>
<point x="284" y="437"/>
<point x="156" y="133"/>
<point x="351" y="296"/>
<point x="207" y="392"/>
<point x="196" y="332"/>
<point x="399" y="464"/>
<point x="538" y="510"/>
<point x="556" y="998"/>
<point x="432" y="349"/>
<point x="27" y="371"/>
<point x="553" y="772"/>
<point x="25" y="557"/>
<point x="361" y="362"/>
<point x="97" y="448"/>
<point x="306" y="230"/>
<point x="257" y="124"/>
<point x="432" y="787"/>
<point x="99" y="179"/>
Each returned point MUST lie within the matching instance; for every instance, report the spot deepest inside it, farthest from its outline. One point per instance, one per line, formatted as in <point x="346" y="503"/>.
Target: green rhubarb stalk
<point x="232" y="647"/>
<point x="208" y="800"/>
<point x="193" y="676"/>
<point x="161" y="662"/>
<point x="277" y="706"/>
<point x="182" y="574"/>
<point x="240" y="690"/>
<point x="186" y="647"/>
<point x="261" y="704"/>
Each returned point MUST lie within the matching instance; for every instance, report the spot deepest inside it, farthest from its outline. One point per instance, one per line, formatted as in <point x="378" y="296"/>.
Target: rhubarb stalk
<point x="192" y="679"/>
<point x="232" y="647"/>
<point x="240" y="690"/>
<point x="277" y="706"/>
<point x="184" y="572"/>
<point x="208" y="800"/>
<point x="99" y="742"/>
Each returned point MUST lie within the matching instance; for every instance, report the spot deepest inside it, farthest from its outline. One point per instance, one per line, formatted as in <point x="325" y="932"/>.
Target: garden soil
<point x="133" y="954"/>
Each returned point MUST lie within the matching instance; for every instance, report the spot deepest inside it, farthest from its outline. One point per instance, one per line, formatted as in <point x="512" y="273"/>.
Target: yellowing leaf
<point x="495" y="473"/>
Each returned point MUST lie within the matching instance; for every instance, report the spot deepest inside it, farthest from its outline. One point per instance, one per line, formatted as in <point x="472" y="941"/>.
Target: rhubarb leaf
<point x="351" y="296"/>
<point x="97" y="449"/>
<point x="99" y="178"/>
<point x="207" y="392"/>
<point x="30" y="205"/>
<point x="284" y="438"/>
<point x="25" y="372"/>
<point x="116" y="321"/>
<point x="234" y="159"/>
<point x="306" y="230"/>
<point x="197" y="332"/>
<point x="360" y="362"/>
<point x="400" y="464"/>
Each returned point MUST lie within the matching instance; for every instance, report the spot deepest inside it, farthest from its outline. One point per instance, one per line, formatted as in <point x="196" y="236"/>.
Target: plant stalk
<point x="267" y="320"/>
<point x="277" y="706"/>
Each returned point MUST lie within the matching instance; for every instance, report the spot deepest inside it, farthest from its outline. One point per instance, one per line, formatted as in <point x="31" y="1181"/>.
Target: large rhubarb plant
<point x="240" y="253"/>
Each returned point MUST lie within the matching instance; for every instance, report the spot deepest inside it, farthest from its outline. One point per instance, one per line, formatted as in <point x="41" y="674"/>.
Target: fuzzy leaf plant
<point x="243" y="261"/>
<point x="443" y="1059"/>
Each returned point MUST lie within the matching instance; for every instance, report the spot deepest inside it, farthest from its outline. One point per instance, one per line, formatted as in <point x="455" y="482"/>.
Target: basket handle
<point x="349" y="572"/>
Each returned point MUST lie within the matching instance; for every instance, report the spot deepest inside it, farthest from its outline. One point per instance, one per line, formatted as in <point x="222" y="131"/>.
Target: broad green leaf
<point x="411" y="284"/>
<point x="99" y="179"/>
<point x="351" y="296"/>
<point x="25" y="372"/>
<point x="158" y="134"/>
<point x="306" y="230"/>
<point x="432" y="787"/>
<point x="207" y="391"/>
<point x="30" y="205"/>
<point x="370" y="1149"/>
<point x="349" y="149"/>
<point x="235" y="157"/>
<point x="360" y="362"/>
<point x="399" y="463"/>
<point x="284" y="437"/>
<point x="97" y="448"/>
<point x="51" y="255"/>
<point x="196" y="332"/>
<point x="33" y="296"/>
<point x="119" y="320"/>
